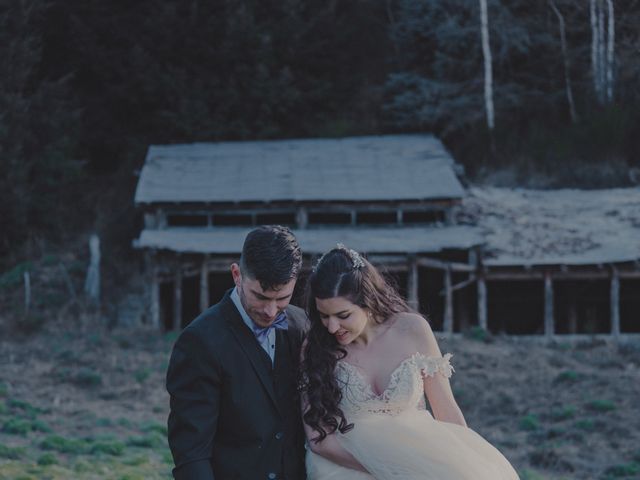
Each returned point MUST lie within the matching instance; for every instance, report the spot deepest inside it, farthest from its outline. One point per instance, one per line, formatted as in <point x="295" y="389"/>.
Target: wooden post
<point x="204" y="284"/>
<point x="27" y="292"/>
<point x="549" y="326"/>
<point x="302" y="218"/>
<point x="412" y="282"/>
<point x="155" y="298"/>
<point x="482" y="301"/>
<point x="615" y="303"/>
<point x="447" y="324"/>
<point x="177" y="298"/>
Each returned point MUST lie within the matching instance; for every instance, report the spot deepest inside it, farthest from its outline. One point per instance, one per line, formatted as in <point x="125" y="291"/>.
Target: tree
<point x="488" y="68"/>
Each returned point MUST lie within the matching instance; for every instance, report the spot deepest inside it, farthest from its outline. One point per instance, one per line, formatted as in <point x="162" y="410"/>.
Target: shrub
<point x="108" y="448"/>
<point x="529" y="422"/>
<point x="564" y="413"/>
<point x="152" y="440"/>
<point x="142" y="374"/>
<point x="64" y="445"/>
<point x="104" y="422"/>
<point x="47" y="459"/>
<point x="11" y="453"/>
<point x="568" y="376"/>
<point x="586" y="424"/>
<point x="160" y="428"/>
<point x="40" y="426"/>
<point x="135" y="461"/>
<point x="28" y="409"/>
<point x="479" y="334"/>
<point x="17" y="426"/>
<point x="4" y="389"/>
<point x="625" y="470"/>
<point x="14" y="276"/>
<point x="601" y="405"/>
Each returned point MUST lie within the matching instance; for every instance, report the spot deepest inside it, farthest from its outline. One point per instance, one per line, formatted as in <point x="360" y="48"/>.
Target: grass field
<point x="92" y="405"/>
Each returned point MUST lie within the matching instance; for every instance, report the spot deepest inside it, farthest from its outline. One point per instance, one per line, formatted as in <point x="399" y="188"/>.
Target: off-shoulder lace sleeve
<point x="429" y="366"/>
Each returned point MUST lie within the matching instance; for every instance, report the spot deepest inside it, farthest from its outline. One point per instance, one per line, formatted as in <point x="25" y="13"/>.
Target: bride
<point x="367" y="365"/>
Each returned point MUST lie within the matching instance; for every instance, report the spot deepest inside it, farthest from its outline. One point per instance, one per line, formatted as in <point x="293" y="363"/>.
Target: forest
<point x="541" y="94"/>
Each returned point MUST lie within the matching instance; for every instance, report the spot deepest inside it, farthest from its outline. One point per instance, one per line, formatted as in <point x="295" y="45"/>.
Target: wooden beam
<point x="204" y="284"/>
<point x="482" y="302"/>
<point x="560" y="275"/>
<point x="177" y="299"/>
<point x="615" y="303"/>
<point x="412" y="282"/>
<point x="461" y="285"/>
<point x="442" y="265"/>
<point x="549" y="326"/>
<point x="447" y="324"/>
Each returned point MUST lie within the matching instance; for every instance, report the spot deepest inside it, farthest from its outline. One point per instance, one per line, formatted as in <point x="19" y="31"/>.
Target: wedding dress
<point x="396" y="438"/>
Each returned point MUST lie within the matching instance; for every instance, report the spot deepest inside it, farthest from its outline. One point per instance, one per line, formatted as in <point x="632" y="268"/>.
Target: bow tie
<point x="280" y="323"/>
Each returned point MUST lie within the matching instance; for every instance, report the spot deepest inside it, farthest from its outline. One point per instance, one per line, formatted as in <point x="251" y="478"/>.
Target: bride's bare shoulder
<point x="411" y="324"/>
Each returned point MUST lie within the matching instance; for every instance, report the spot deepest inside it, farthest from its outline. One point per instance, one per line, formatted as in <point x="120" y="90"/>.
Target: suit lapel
<point x="251" y="348"/>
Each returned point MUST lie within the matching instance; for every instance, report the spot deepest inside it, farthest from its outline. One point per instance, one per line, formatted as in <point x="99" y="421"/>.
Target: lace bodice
<point x="405" y="390"/>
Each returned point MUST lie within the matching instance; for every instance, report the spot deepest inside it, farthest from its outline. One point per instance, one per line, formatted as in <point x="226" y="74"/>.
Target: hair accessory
<point x="355" y="257"/>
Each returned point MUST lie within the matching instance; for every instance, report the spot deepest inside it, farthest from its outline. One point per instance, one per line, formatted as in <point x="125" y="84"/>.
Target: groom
<point x="232" y="373"/>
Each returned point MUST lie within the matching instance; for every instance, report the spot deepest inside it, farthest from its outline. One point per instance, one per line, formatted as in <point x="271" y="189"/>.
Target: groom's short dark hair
<point x="271" y="255"/>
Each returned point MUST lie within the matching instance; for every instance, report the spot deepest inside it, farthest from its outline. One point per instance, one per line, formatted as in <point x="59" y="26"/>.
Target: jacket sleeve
<point x="193" y="383"/>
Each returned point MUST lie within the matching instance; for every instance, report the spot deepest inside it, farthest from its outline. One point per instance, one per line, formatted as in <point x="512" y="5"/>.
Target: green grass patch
<point x="167" y="457"/>
<point x="25" y="407"/>
<point x="529" y="423"/>
<point x="587" y="424"/>
<point x="4" y="390"/>
<point x="104" y="422"/>
<point x="601" y="405"/>
<point x="14" y="276"/>
<point x="153" y="440"/>
<point x="568" y="376"/>
<point x="17" y="426"/>
<point x="40" y="426"/>
<point x="3" y="409"/>
<point x="113" y="448"/>
<point x="125" y="422"/>
<point x="530" y="475"/>
<point x="135" y="461"/>
<point x="64" y="445"/>
<point x="478" y="334"/>
<point x="621" y="471"/>
<point x="565" y="413"/>
<point x="11" y="453"/>
<point x="142" y="374"/>
<point x="160" y="428"/>
<point x="47" y="459"/>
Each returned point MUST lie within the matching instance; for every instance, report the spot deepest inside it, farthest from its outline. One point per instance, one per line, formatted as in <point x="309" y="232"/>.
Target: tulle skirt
<point x="413" y="446"/>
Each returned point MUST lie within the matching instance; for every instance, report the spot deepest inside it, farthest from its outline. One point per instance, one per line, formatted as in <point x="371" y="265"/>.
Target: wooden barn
<point x="514" y="262"/>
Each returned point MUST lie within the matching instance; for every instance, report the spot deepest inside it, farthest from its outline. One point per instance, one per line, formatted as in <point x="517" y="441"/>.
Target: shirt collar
<point x="235" y="298"/>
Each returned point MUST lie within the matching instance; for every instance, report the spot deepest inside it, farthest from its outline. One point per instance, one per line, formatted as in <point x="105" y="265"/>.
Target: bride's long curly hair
<point x="339" y="273"/>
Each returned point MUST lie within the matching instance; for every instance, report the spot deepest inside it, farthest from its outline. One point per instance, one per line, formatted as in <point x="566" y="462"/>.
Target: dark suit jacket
<point x="232" y="415"/>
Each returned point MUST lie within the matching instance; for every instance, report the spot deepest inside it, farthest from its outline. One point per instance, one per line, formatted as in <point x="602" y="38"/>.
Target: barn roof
<point x="316" y="241"/>
<point x="555" y="227"/>
<point x="371" y="168"/>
